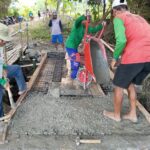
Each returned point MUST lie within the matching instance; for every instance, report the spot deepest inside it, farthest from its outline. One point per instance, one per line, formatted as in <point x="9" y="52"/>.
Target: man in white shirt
<point x="56" y="30"/>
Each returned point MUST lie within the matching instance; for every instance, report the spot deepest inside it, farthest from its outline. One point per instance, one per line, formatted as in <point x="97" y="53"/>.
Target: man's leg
<point x="132" y="97"/>
<point x="56" y="46"/>
<point x="61" y="40"/>
<point x="74" y="65"/>
<point x="68" y="65"/>
<point x="118" y="96"/>
<point x="62" y="45"/>
<point x="54" y="41"/>
<point x="14" y="71"/>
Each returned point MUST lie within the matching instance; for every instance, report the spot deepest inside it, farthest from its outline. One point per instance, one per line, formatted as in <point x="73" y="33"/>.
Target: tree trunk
<point x="58" y="4"/>
<point x="104" y="7"/>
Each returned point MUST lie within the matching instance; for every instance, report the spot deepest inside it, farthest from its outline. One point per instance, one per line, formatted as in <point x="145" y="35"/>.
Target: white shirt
<point x="55" y="30"/>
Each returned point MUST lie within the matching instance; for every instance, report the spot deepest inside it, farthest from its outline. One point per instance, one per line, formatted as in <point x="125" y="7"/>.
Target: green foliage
<point x="13" y="12"/>
<point x="25" y="12"/>
<point x="67" y="7"/>
<point x="94" y="2"/>
<point x="141" y="7"/>
<point x="40" y="31"/>
<point x="4" y="4"/>
<point x="52" y="4"/>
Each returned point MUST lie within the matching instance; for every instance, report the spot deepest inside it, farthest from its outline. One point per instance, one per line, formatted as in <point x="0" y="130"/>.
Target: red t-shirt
<point x="137" y="32"/>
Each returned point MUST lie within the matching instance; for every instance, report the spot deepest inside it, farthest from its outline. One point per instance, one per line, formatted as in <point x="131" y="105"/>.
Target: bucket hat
<point x="4" y="35"/>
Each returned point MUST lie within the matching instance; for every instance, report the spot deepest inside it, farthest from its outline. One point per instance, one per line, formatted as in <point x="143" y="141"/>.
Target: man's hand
<point x="4" y="73"/>
<point x="87" y="12"/>
<point x="104" y="23"/>
<point x="113" y="64"/>
<point x="7" y="85"/>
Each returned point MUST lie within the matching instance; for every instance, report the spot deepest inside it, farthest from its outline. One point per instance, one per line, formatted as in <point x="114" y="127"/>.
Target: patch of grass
<point x="40" y="30"/>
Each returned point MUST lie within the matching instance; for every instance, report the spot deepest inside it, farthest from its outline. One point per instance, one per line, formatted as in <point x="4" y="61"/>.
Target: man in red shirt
<point x="132" y="34"/>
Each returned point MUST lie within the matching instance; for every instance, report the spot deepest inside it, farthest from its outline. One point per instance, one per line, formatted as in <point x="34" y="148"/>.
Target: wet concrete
<point x="48" y="122"/>
<point x="41" y="142"/>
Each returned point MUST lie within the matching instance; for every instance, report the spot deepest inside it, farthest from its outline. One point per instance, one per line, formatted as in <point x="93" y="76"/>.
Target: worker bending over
<point x="9" y="71"/>
<point x="75" y="37"/>
<point x="132" y="34"/>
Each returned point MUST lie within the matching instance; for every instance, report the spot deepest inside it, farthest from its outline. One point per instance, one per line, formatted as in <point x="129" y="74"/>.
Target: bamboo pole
<point x="21" y="40"/>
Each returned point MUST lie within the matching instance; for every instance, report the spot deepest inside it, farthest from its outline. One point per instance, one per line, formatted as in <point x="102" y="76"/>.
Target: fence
<point x="20" y="41"/>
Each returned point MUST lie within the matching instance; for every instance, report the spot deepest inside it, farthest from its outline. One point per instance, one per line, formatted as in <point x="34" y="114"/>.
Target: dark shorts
<point x="131" y="73"/>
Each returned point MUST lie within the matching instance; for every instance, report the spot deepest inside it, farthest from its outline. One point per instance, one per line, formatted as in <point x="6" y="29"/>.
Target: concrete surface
<point x="48" y="122"/>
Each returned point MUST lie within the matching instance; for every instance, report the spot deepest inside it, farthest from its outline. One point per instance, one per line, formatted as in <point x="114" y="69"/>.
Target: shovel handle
<point x="90" y="141"/>
<point x="12" y="103"/>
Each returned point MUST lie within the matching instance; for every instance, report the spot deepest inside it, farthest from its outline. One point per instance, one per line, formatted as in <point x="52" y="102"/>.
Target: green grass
<point x="40" y="30"/>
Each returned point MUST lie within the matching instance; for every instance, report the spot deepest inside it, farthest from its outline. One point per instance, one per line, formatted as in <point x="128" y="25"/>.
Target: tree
<point x="52" y="4"/>
<point x="141" y="7"/>
<point x="4" y="4"/>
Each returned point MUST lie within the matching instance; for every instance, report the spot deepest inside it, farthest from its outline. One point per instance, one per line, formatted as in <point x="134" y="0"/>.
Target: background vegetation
<point x="73" y="8"/>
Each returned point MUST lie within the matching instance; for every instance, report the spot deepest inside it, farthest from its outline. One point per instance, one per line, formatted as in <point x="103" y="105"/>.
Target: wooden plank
<point x="107" y="45"/>
<point x="72" y="91"/>
<point x="96" y="90"/>
<point x="13" y="55"/>
<point x="29" y="65"/>
<point x="3" y="132"/>
<point x="143" y="110"/>
<point x="100" y="90"/>
<point x="68" y="89"/>
<point x="30" y="85"/>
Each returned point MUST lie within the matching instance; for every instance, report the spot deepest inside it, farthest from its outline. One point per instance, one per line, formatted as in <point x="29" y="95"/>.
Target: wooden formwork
<point x="14" y="54"/>
<point x="69" y="89"/>
<point x="6" y="119"/>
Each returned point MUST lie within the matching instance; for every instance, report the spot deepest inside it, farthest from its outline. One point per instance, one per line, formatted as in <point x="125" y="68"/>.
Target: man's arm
<point x="60" y="24"/>
<point x="79" y="20"/>
<point x="120" y="37"/>
<point x="50" y="23"/>
<point x="3" y="82"/>
<point x="95" y="29"/>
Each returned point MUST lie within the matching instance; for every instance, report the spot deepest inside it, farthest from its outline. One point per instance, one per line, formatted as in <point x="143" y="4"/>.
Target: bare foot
<point x="130" y="117"/>
<point x="111" y="115"/>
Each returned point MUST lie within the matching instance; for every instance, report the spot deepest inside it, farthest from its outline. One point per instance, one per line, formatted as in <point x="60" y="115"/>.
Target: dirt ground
<point x="49" y="122"/>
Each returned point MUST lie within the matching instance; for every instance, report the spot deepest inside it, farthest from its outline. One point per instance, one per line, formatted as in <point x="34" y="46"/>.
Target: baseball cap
<point x="87" y="12"/>
<point x="54" y="13"/>
<point x="118" y="3"/>
<point x="4" y="35"/>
